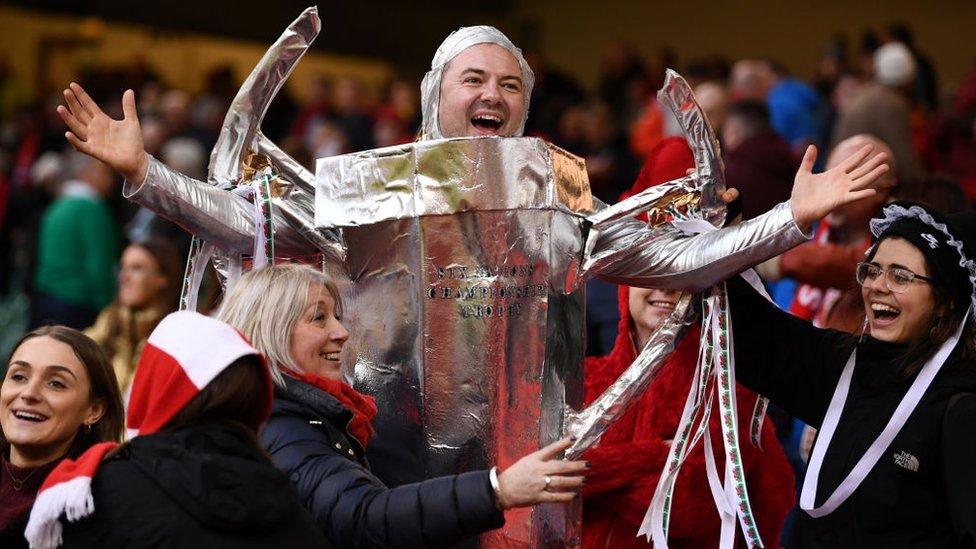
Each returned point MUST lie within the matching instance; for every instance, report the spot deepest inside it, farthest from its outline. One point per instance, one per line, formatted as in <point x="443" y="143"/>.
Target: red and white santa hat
<point x="183" y="354"/>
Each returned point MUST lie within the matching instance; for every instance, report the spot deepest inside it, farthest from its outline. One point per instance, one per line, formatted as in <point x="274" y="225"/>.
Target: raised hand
<point x="117" y="143"/>
<point x="524" y="483"/>
<point x="814" y="196"/>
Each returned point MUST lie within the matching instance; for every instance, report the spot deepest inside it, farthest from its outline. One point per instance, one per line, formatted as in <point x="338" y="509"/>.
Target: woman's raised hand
<point x="117" y="143"/>
<point x="814" y="196"/>
<point x="540" y="478"/>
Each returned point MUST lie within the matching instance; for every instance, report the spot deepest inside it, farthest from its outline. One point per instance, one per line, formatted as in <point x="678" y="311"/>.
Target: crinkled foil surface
<point x="446" y="176"/>
<point x="459" y="254"/>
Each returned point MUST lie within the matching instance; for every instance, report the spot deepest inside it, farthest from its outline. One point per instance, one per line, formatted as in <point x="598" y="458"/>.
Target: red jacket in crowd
<point x="626" y="465"/>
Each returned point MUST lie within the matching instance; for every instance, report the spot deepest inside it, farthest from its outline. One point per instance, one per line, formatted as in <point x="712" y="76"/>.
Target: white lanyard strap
<point x="905" y="408"/>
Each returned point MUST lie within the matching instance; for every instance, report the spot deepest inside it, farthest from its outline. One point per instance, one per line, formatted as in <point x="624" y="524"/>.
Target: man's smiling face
<point x="482" y="93"/>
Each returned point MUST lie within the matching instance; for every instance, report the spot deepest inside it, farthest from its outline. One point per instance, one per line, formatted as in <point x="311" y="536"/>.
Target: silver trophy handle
<point x="708" y="181"/>
<point x="243" y="120"/>
<point x="589" y="424"/>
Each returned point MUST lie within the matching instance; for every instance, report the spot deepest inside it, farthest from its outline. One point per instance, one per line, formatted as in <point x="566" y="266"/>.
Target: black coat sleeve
<point x="125" y="515"/>
<point x="355" y="509"/>
<point x="958" y="458"/>
<point x="785" y="358"/>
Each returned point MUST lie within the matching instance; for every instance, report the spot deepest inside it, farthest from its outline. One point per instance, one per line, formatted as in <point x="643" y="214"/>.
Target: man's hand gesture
<point x="117" y="143"/>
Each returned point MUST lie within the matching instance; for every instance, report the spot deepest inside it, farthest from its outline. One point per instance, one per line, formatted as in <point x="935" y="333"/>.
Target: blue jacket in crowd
<point x="308" y="440"/>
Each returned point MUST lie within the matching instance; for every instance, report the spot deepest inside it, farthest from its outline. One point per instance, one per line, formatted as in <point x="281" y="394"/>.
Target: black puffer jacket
<point x="307" y="439"/>
<point x="920" y="493"/>
<point x="205" y="486"/>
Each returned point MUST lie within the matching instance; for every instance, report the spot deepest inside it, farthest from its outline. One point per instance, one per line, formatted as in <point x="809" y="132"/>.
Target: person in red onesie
<point x="627" y="463"/>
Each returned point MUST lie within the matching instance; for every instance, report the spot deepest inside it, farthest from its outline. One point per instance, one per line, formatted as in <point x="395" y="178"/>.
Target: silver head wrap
<point x="455" y="43"/>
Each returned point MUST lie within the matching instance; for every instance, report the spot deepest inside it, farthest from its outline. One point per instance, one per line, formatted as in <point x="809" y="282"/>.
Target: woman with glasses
<point x="893" y="464"/>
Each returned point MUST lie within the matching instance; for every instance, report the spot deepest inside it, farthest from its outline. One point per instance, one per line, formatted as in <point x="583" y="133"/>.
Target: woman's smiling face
<point x="649" y="307"/>
<point x="44" y="400"/>
<point x="319" y="335"/>
<point x="899" y="317"/>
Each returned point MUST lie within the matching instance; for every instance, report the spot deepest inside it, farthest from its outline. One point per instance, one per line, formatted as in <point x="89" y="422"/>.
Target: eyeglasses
<point x="897" y="279"/>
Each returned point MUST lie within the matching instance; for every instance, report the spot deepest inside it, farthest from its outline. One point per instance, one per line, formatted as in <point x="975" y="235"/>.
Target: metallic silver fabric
<point x="455" y="43"/>
<point x="624" y="250"/>
<point x="630" y="253"/>
<point x="588" y="425"/>
<point x="462" y="258"/>
<point x="448" y="176"/>
<point x="677" y="96"/>
<point x="246" y="111"/>
<point x="213" y="214"/>
<point x="294" y="207"/>
<point x="224" y="218"/>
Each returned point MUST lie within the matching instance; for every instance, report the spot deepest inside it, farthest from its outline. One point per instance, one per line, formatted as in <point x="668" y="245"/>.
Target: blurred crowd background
<point x="73" y="250"/>
<point x="879" y="81"/>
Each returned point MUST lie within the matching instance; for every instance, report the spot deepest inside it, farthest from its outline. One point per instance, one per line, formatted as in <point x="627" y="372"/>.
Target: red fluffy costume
<point x="627" y="463"/>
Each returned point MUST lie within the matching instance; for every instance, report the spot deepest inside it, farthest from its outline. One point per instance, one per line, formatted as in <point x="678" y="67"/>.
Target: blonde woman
<point x="320" y="427"/>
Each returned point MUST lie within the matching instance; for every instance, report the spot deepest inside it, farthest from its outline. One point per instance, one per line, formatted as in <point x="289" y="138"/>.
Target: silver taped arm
<point x="243" y="119"/>
<point x="215" y="215"/>
<point x="632" y="253"/>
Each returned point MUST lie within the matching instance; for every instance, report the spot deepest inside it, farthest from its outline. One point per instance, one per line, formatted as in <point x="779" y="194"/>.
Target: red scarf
<point x="363" y="407"/>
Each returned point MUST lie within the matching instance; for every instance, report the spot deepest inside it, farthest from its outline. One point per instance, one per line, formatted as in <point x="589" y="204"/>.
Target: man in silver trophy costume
<point x="479" y="85"/>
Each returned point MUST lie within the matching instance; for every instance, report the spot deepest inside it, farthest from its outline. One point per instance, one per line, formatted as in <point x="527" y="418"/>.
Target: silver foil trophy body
<point x="462" y="303"/>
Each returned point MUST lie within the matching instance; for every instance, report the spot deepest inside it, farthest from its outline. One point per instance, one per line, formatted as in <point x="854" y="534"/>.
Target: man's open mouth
<point x="488" y="122"/>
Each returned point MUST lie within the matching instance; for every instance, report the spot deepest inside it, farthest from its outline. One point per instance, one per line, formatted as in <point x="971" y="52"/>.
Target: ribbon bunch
<point x="714" y="381"/>
<point x="258" y="191"/>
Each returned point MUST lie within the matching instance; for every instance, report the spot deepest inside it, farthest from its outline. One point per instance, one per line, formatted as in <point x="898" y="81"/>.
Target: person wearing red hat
<point x="627" y="464"/>
<point x="192" y="473"/>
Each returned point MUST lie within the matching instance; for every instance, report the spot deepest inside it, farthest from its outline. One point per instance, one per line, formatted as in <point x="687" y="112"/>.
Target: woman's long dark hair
<point x="104" y="387"/>
<point x="942" y="328"/>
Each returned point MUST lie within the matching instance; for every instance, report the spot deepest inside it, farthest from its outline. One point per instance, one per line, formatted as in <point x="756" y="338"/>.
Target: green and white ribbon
<point x="695" y="413"/>
<point x="735" y="478"/>
<point x="714" y="376"/>
<point x="201" y="252"/>
<point x="756" y="423"/>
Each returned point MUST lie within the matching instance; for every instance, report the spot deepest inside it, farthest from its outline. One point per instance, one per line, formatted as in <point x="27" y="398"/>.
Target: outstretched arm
<point x="117" y="143"/>
<point x="666" y="258"/>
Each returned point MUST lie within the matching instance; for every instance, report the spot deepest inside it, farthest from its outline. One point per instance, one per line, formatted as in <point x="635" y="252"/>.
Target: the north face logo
<point x="906" y="461"/>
